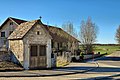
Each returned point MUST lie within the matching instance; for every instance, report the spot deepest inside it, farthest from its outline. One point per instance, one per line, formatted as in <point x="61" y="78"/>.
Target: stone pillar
<point x="48" y="53"/>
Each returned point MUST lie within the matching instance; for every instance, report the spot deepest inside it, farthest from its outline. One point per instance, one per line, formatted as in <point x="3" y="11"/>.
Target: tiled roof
<point x="18" y="21"/>
<point x="22" y="29"/>
<point x="57" y="34"/>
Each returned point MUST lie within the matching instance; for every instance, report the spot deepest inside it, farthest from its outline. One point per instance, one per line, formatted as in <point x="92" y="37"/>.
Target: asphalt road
<point x="113" y="59"/>
<point x="109" y="69"/>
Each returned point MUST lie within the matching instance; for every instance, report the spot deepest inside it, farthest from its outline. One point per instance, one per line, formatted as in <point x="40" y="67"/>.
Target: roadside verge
<point x="73" y="68"/>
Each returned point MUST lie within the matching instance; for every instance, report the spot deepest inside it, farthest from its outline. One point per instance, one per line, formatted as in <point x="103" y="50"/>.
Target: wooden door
<point x="37" y="56"/>
<point x="42" y="56"/>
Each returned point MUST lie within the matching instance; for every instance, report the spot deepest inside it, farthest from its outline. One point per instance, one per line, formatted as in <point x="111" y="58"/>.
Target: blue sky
<point x="105" y="13"/>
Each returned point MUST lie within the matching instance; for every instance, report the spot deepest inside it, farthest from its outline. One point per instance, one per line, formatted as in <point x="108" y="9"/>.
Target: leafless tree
<point x="88" y="35"/>
<point x="68" y="27"/>
<point x="118" y="34"/>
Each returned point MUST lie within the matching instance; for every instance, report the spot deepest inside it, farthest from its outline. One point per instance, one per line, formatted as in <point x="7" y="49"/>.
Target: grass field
<point x="106" y="49"/>
<point x="102" y="49"/>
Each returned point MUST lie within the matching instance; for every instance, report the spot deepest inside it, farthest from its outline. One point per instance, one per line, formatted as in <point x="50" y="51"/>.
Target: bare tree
<point x="118" y="34"/>
<point x="88" y="35"/>
<point x="68" y="27"/>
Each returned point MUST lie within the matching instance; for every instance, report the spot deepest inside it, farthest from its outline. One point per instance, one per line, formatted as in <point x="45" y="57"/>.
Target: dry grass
<point x="61" y="62"/>
<point x="5" y="65"/>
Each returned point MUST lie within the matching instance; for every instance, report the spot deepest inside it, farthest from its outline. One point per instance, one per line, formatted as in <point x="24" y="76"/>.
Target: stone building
<point x="9" y="25"/>
<point x="33" y="44"/>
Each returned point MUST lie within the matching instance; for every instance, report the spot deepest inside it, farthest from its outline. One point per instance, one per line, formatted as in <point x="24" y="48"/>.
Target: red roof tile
<point x="18" y="21"/>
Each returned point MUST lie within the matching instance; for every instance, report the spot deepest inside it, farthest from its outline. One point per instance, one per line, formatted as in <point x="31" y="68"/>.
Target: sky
<point x="104" y="13"/>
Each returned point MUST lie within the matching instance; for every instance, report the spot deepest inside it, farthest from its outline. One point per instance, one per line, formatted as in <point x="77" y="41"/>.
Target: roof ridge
<point x="29" y="22"/>
<point x="58" y="28"/>
<point x="22" y="30"/>
<point x="17" y="18"/>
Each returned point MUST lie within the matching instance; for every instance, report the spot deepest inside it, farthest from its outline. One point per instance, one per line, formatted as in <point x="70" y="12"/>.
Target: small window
<point x="2" y="34"/>
<point x="52" y="45"/>
<point x="33" y="50"/>
<point x="42" y="50"/>
<point x="11" y="23"/>
<point x="38" y="33"/>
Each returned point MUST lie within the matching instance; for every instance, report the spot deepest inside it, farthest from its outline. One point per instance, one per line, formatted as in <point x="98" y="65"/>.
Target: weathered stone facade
<point x="7" y="28"/>
<point x="33" y="38"/>
<point x="16" y="47"/>
<point x="21" y="48"/>
<point x="35" y="33"/>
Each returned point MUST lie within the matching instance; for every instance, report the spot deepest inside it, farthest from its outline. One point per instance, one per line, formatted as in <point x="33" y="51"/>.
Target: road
<point x="109" y="69"/>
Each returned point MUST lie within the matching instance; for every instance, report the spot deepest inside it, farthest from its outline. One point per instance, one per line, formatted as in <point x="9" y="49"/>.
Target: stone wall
<point x="32" y="37"/>
<point x="63" y="59"/>
<point x="16" y="47"/>
<point x="7" y="28"/>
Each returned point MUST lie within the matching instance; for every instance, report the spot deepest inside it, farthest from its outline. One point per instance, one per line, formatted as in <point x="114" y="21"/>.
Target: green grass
<point x="106" y="49"/>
